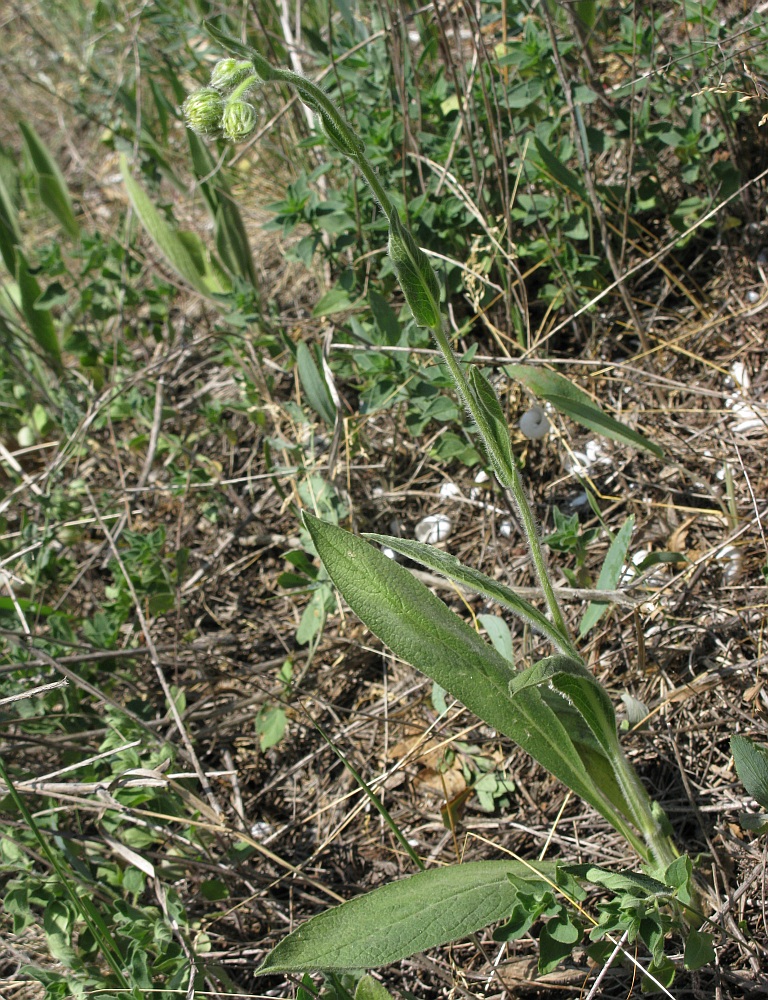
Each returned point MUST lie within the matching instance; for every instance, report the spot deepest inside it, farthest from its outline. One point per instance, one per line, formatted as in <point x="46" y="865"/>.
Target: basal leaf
<point x="450" y="567"/>
<point x="559" y="172"/>
<point x="633" y="883"/>
<point x="751" y="762"/>
<point x="574" y="403"/>
<point x="402" y="918"/>
<point x="610" y="574"/>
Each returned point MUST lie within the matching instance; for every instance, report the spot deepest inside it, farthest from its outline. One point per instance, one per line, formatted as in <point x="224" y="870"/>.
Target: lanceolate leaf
<point x="751" y="762"/>
<point x="573" y="680"/>
<point x="420" y="629"/>
<point x="314" y="384"/>
<point x="450" y="567"/>
<point x="180" y="250"/>
<point x="39" y="321"/>
<point x="487" y="400"/>
<point x="50" y="181"/>
<point x="610" y="574"/>
<point x="405" y="917"/>
<point x="231" y="237"/>
<point x="570" y="400"/>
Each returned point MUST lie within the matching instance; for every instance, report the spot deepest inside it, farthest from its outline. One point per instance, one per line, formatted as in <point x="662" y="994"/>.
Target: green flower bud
<point x="239" y="120"/>
<point x="415" y="274"/>
<point x="203" y="111"/>
<point x="228" y="73"/>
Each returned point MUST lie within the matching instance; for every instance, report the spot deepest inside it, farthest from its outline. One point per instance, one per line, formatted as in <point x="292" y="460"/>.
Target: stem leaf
<point x="574" y="403"/>
<point x="450" y="567"/>
<point x="421" y="630"/>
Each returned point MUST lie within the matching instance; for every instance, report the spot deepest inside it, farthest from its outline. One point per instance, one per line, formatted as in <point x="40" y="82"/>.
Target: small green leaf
<point x="369" y="989"/>
<point x="556" y="942"/>
<point x="499" y="634"/>
<point x="334" y="301"/>
<point x="679" y="875"/>
<point x="488" y="402"/>
<point x="663" y="972"/>
<point x="751" y="762"/>
<point x="270" y="726"/>
<point x="416" y="275"/>
<point x="399" y="919"/>
<point x="50" y="181"/>
<point x="698" y="950"/>
<point x="610" y="574"/>
<point x="570" y="400"/>
<point x="314" y="385"/>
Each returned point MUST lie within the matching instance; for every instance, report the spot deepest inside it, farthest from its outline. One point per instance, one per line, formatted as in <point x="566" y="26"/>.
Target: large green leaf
<point x="420" y="912"/>
<point x="183" y="251"/>
<point x="751" y="762"/>
<point x="420" y="629"/>
<point x="610" y="574"/>
<point x="573" y="402"/>
<point x="450" y="567"/>
<point x="51" y="185"/>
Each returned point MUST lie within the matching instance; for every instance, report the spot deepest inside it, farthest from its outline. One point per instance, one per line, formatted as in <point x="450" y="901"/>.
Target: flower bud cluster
<point x="221" y="109"/>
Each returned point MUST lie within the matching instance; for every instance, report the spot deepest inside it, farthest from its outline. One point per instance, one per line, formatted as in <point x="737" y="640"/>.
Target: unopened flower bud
<point x="229" y="73"/>
<point x="239" y="120"/>
<point x="203" y="111"/>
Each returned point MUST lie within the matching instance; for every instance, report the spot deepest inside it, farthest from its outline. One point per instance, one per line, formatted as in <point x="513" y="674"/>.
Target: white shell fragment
<point x="582" y="463"/>
<point x="534" y="423"/>
<point x="729" y="558"/>
<point x="449" y="489"/>
<point x="433" y="529"/>
<point x="748" y="414"/>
